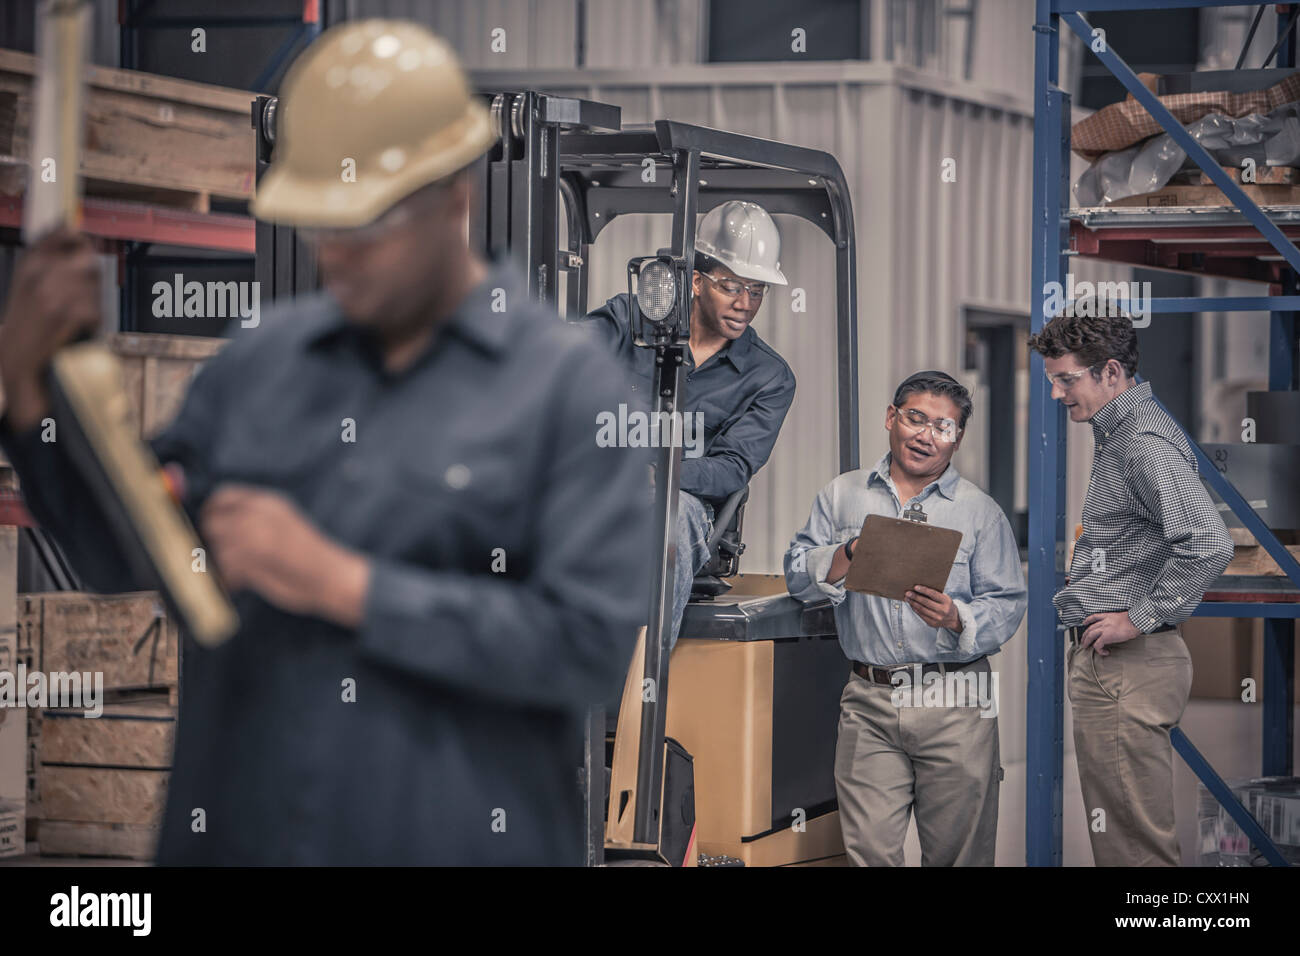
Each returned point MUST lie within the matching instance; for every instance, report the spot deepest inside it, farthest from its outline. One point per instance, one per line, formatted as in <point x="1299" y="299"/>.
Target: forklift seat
<point x="725" y="548"/>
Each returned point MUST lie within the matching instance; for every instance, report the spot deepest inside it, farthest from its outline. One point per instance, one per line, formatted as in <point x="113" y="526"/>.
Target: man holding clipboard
<point x="918" y="717"/>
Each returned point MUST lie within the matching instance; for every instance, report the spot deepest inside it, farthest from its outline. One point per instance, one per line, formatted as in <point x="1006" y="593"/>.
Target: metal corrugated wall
<point x="538" y="33"/>
<point x="545" y="33"/>
<point x="995" y="41"/>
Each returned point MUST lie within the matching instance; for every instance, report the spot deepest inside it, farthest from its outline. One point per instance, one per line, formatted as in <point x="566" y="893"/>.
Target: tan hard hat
<point x="743" y="237"/>
<point x="372" y="111"/>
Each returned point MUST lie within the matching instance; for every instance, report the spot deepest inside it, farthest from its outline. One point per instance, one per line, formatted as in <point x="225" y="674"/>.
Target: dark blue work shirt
<point x="509" y="554"/>
<point x="744" y="391"/>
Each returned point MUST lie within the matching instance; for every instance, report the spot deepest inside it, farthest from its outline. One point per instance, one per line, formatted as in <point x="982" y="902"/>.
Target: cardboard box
<point x="1226" y="651"/>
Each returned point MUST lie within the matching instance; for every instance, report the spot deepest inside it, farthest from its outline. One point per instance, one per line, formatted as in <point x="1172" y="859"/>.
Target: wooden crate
<point x="135" y="733"/>
<point x="130" y="841"/>
<point x="103" y="781"/>
<point x="101" y="795"/>
<point x="130" y="638"/>
<point x="158" y="370"/>
<point x="148" y="138"/>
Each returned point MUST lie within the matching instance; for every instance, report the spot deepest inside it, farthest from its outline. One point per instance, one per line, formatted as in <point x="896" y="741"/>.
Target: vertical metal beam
<point x="1286" y="52"/>
<point x="846" y="303"/>
<point x="593" y="787"/>
<point x="1282" y="340"/>
<point x="668" y="387"/>
<point x="1045" y="718"/>
<point x="1279" y="697"/>
<point x="534" y="196"/>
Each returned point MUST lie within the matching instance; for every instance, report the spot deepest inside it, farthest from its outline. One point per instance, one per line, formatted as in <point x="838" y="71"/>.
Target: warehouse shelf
<point x="1206" y="241"/>
<point x="1248" y="242"/>
<point x="140" y="222"/>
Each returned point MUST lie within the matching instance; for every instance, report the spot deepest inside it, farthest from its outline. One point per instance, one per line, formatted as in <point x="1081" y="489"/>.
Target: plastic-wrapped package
<point x="1271" y="139"/>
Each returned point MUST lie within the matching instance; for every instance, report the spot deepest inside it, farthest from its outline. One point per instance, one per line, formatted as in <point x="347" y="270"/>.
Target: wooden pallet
<point x="148" y="138"/>
<point x="1211" y="196"/>
<point x="1264" y="176"/>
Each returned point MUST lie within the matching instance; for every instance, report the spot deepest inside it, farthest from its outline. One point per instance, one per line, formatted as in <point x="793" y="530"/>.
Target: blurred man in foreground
<point x="398" y="481"/>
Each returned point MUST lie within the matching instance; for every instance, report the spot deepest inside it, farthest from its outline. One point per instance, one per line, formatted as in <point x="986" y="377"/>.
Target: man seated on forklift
<point x="738" y="382"/>
<point x="901" y="747"/>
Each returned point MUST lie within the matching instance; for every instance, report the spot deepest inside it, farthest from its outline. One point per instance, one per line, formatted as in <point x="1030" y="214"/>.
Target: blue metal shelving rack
<point x="1045" y="717"/>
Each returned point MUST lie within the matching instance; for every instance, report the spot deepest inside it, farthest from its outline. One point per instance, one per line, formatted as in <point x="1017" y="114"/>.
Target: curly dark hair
<point x="1095" y="340"/>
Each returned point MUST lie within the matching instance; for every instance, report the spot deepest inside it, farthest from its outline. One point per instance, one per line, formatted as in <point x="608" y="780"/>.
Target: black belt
<point x="1075" y="634"/>
<point x="884" y="675"/>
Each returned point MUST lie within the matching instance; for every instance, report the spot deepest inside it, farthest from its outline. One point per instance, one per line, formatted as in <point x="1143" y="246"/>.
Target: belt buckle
<point x="889" y="673"/>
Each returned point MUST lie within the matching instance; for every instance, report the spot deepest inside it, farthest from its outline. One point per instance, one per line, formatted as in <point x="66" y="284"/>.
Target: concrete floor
<point x="1228" y="734"/>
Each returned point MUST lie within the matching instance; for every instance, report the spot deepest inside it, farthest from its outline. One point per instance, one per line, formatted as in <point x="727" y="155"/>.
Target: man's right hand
<point x="54" y="299"/>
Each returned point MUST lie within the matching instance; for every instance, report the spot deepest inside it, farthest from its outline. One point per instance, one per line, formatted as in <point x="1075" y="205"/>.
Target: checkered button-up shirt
<point x="1152" y="539"/>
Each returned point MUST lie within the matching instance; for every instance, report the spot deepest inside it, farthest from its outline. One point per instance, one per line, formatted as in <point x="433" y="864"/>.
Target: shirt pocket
<point x="466" y="502"/>
<point x="959" y="577"/>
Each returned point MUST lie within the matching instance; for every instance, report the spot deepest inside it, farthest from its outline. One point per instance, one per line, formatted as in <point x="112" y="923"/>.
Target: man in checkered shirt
<point x="1152" y="542"/>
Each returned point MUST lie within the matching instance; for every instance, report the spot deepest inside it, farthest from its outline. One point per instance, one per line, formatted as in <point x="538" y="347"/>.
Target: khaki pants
<point x="942" y="762"/>
<point x="1124" y="706"/>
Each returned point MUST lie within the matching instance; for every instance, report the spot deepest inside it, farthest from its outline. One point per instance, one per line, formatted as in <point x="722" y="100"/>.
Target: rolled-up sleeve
<point x="998" y="595"/>
<point x="741" y="449"/>
<point x="808" y="559"/>
<point x="561" y="636"/>
<point x="1163" y="482"/>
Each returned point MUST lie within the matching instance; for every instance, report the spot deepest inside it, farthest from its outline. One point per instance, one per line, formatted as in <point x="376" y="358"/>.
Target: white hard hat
<point x="743" y="237"/>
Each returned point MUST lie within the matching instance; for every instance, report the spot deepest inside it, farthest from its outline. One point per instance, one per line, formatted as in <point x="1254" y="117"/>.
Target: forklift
<point x="736" y="767"/>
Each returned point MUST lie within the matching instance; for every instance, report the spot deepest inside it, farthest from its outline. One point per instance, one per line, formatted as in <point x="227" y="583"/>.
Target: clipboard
<point x="893" y="555"/>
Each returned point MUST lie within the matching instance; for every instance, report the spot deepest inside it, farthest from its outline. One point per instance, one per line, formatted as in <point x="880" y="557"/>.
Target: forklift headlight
<point x="656" y="290"/>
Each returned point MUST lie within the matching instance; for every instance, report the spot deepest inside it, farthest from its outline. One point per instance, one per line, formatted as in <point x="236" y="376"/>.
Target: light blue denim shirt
<point x="986" y="584"/>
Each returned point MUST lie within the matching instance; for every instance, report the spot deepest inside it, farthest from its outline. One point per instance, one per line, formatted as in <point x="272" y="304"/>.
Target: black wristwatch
<point x="848" y="548"/>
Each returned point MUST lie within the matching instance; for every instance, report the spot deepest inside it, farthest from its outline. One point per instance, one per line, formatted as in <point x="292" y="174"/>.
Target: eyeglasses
<point x="733" y="288"/>
<point x="1066" y="379"/>
<point x="942" y="429"/>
